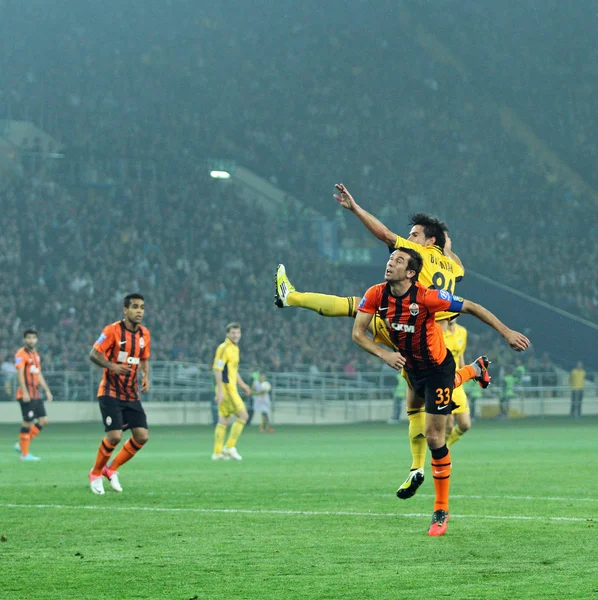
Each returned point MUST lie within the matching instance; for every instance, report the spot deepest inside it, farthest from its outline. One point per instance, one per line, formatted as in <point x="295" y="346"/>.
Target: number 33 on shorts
<point x="444" y="396"/>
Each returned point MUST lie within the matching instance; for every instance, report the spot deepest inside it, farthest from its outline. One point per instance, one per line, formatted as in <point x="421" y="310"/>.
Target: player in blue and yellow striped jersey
<point x="226" y="374"/>
<point x="455" y="339"/>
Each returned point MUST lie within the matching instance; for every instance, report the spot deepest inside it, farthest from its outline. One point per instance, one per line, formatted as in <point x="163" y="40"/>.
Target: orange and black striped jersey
<point x="31" y="366"/>
<point x="410" y="320"/>
<point x="121" y="345"/>
<point x="439" y="272"/>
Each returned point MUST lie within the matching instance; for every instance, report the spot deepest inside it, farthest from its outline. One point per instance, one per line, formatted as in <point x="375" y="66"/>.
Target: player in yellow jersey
<point x="226" y="374"/>
<point x="455" y="339"/>
<point x="442" y="269"/>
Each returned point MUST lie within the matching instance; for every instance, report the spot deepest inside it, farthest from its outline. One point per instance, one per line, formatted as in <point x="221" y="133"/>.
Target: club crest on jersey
<point x="414" y="309"/>
<point x="108" y="421"/>
<point x="141" y="343"/>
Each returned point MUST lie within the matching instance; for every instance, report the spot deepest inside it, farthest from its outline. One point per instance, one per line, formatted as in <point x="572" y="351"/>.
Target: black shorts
<point x="435" y="385"/>
<point x="34" y="409"/>
<point x="121" y="414"/>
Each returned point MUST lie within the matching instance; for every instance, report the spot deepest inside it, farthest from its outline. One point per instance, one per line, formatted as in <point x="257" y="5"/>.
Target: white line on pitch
<point x="311" y="513"/>
<point x="321" y="494"/>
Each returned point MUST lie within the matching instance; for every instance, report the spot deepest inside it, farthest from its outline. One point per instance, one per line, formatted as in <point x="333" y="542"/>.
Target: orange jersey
<point x="120" y="345"/>
<point x="410" y="320"/>
<point x="31" y="366"/>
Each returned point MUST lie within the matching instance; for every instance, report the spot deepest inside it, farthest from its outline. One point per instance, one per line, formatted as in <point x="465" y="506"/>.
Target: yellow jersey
<point x="226" y="360"/>
<point x="576" y="378"/>
<point x="439" y="272"/>
<point x="456" y="342"/>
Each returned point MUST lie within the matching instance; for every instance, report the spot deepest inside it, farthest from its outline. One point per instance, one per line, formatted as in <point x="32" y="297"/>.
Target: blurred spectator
<point x="577" y="381"/>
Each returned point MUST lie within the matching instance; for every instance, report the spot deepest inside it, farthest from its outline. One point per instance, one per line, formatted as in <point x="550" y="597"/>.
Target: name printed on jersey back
<point x="442" y="264"/>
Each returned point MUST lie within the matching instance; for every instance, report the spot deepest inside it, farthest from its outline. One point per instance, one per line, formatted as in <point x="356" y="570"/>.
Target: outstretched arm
<point x="516" y="340"/>
<point x="376" y="227"/>
<point x="362" y="322"/>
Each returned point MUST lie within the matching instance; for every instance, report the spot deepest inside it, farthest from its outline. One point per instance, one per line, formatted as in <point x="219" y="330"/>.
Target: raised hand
<point x="344" y="198"/>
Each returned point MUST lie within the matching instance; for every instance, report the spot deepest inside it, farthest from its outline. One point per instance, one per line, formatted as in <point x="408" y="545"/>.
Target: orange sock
<point x="35" y="429"/>
<point x="441" y="471"/>
<point x="24" y="439"/>
<point x="464" y="374"/>
<point x="127" y="452"/>
<point x="104" y="454"/>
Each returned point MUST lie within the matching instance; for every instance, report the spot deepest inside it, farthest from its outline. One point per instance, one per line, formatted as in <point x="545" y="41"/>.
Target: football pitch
<point x="309" y="513"/>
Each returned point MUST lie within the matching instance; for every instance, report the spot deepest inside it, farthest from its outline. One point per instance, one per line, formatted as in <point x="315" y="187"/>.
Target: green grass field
<point x="309" y="513"/>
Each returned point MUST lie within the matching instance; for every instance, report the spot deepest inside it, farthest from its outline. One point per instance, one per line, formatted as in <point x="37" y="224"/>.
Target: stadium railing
<point x="183" y="393"/>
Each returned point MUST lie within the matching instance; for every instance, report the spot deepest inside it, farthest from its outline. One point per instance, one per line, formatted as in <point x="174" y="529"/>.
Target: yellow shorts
<point x="232" y="403"/>
<point x="460" y="399"/>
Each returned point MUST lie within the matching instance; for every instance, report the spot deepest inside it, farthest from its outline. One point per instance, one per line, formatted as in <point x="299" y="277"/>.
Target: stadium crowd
<point x="191" y="249"/>
<point x="302" y="107"/>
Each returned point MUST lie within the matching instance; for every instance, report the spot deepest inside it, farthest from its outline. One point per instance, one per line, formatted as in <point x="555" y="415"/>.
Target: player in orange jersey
<point x="30" y="378"/>
<point x="123" y="350"/>
<point x="409" y="310"/>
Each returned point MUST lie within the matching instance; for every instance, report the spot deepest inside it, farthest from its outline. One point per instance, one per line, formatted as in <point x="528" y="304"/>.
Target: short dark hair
<point x="232" y="325"/>
<point x="29" y="332"/>
<point x="129" y="297"/>
<point x="415" y="262"/>
<point x="432" y="227"/>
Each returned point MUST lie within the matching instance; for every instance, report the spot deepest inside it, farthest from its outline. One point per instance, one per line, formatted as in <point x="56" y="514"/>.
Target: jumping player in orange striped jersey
<point x="30" y="377"/>
<point x="442" y="269"/>
<point x="123" y="350"/>
<point x="408" y="310"/>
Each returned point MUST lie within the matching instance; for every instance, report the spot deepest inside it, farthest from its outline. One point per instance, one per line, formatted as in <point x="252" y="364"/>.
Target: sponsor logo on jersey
<point x="403" y="327"/>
